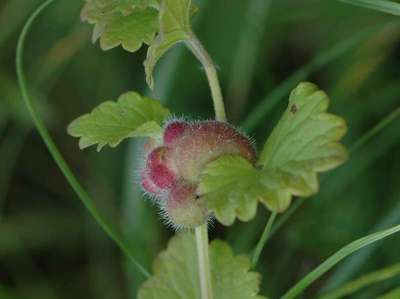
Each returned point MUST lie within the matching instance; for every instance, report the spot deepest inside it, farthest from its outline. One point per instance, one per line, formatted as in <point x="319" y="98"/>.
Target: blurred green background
<point x="49" y="245"/>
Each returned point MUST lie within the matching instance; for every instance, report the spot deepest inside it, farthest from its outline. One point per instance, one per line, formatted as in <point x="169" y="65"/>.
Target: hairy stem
<point x="204" y="261"/>
<point x="54" y="151"/>
<point x="202" y="55"/>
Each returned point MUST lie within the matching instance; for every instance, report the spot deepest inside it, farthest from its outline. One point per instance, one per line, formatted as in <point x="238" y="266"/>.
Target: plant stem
<point x="263" y="240"/>
<point x="202" y="55"/>
<point x="203" y="261"/>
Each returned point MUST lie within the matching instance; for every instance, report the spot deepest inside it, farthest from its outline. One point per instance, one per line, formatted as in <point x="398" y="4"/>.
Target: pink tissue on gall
<point x="206" y="141"/>
<point x="180" y="192"/>
<point x="172" y="171"/>
<point x="173" y="131"/>
<point x="159" y="168"/>
<point x="148" y="184"/>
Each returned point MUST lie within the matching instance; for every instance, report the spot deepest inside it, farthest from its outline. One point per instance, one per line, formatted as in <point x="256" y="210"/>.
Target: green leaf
<point x="231" y="187"/>
<point x="174" y="20"/>
<point x="306" y="135"/>
<point x="111" y="122"/>
<point x="176" y="273"/>
<point x="129" y="23"/>
<point x="130" y="31"/>
<point x="305" y="142"/>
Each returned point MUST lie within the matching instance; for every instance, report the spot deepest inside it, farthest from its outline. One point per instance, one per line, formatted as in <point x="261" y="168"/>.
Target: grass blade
<point x="364" y="281"/>
<point x="393" y="294"/>
<point x="54" y="151"/>
<point x="350" y="266"/>
<point x="389" y="7"/>
<point x="336" y="258"/>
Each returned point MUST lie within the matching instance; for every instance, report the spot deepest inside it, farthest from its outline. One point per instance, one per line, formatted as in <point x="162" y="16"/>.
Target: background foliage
<point x="49" y="245"/>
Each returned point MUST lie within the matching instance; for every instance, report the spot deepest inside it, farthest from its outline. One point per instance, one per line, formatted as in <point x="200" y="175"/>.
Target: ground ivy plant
<point x="200" y="171"/>
<point x="196" y="171"/>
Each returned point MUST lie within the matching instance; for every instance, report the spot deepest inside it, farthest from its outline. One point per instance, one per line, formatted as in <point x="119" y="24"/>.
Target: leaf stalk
<point x="202" y="55"/>
<point x="263" y="240"/>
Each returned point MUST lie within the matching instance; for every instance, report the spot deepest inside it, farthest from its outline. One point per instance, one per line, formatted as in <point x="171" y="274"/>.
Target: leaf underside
<point x="176" y="273"/>
<point x="111" y="122"/>
<point x="304" y="143"/>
